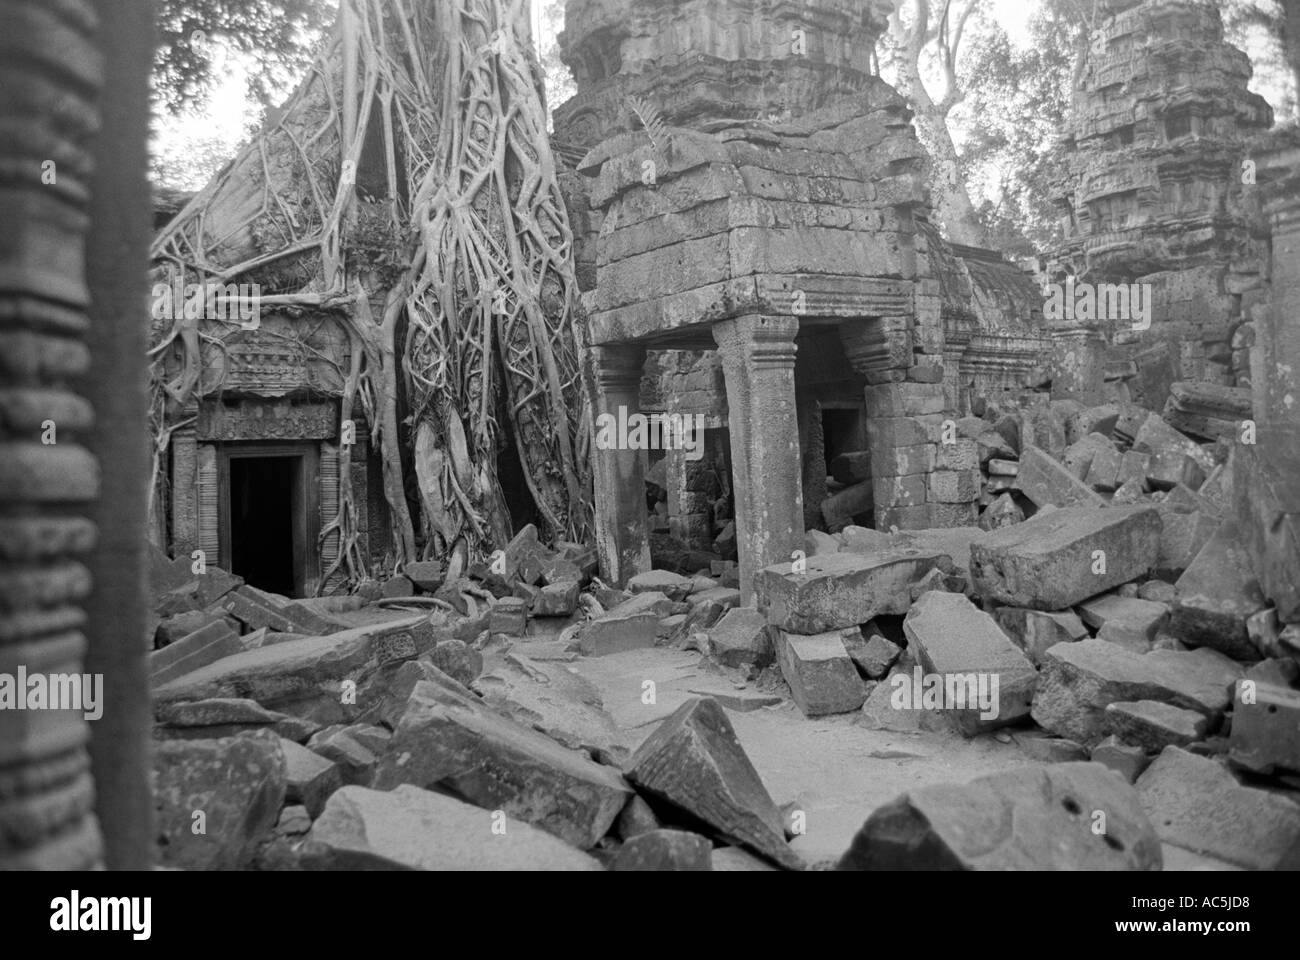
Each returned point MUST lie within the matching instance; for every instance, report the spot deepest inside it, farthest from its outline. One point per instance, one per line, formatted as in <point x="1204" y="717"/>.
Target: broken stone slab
<point x="874" y="655"/>
<point x="665" y="850"/>
<point x="1099" y="419"/>
<point x="428" y="575"/>
<point x="631" y="625"/>
<point x="255" y="608"/>
<point x="818" y="541"/>
<point x="457" y="660"/>
<point x="397" y="586"/>
<point x="1196" y="804"/>
<point x="1002" y="512"/>
<point x="842" y="589"/>
<point x="1037" y="631"/>
<point x="173" y="628"/>
<point x="210" y="643"/>
<point x="304" y="678"/>
<point x="740" y="639"/>
<point x="636" y="818"/>
<point x="509" y="616"/>
<point x="726" y="597"/>
<point x="1079" y="455"/>
<point x="1170" y="451"/>
<point x="1049" y="749"/>
<point x="1129" y="621"/>
<point x="1125" y="759"/>
<point x="412" y="829"/>
<point x="672" y="585"/>
<point x="819" y="672"/>
<point x="355" y="749"/>
<point x="1153" y="726"/>
<point x="1047" y="482"/>
<point x="1266" y="727"/>
<point x="458" y="743"/>
<point x="694" y="761"/>
<point x="842" y="508"/>
<point x="557" y="599"/>
<point x="1028" y="818"/>
<point x="1079" y="680"/>
<point x="237" y="783"/>
<point x="309" y="777"/>
<point x="1056" y="559"/>
<point x="225" y="717"/>
<point x="987" y="680"/>
<point x="1183" y="535"/>
<point x="1103" y="469"/>
<point x="1217" y="595"/>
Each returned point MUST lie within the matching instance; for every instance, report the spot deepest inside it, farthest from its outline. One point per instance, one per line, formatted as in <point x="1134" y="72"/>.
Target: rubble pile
<point x="1105" y="616"/>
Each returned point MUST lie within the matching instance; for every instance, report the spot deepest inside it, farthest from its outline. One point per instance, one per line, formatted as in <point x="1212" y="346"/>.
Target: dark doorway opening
<point x="842" y="432"/>
<point x="265" y="516"/>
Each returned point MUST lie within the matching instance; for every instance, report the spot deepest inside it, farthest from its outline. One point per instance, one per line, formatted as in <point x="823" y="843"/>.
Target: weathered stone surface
<point x="1037" y="631"/>
<point x="1217" y="594"/>
<point x="425" y="574"/>
<point x="1266" y="499"/>
<point x="842" y="508"/>
<point x="842" y="589"/>
<point x="672" y="585"/>
<point x="1159" y="591"/>
<point x="1002" y="512"/>
<point x="1103" y="469"/>
<point x="398" y="586"/>
<point x="255" y="608"/>
<point x="852" y="467"/>
<point x="456" y="742"/>
<point x="304" y="678"/>
<point x="737" y="859"/>
<point x="1125" y="759"/>
<point x="1048" y="749"/>
<point x="1029" y="818"/>
<point x="1198" y="805"/>
<point x="819" y="672"/>
<point x="740" y="639"/>
<point x="632" y="624"/>
<point x="1048" y="562"/>
<point x="1170" y="452"/>
<point x="1266" y="732"/>
<point x="1153" y="726"/>
<point x="1099" y="419"/>
<point x="637" y="817"/>
<point x="412" y="829"/>
<point x="694" y="761"/>
<point x="509" y="615"/>
<point x="1048" y="482"/>
<point x="1078" y="681"/>
<point x="309" y="777"/>
<point x="457" y="660"/>
<point x="817" y="541"/>
<point x="952" y="637"/>
<point x="671" y="850"/>
<point x="557" y="599"/>
<point x="238" y="784"/>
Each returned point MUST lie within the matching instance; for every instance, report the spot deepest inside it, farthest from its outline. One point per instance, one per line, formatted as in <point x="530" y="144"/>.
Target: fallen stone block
<point x="1103" y="470"/>
<point x="305" y="678"/>
<point x="210" y="643"/>
<point x="1217" y="595"/>
<point x="355" y="749"/>
<point x="1153" y="726"/>
<point x="1198" y="805"/>
<point x="1002" y="512"/>
<point x="818" y="542"/>
<point x="987" y="680"/>
<point x="737" y="859"/>
<point x="455" y="742"/>
<point x="819" y="672"/>
<point x="1029" y="818"/>
<point x="874" y="655"/>
<point x="1049" y="749"/>
<point x="557" y="599"/>
<point x="412" y="829"/>
<point x="1100" y="419"/>
<point x="237" y="783"/>
<point x="636" y="818"/>
<point x="1125" y="759"/>
<point x="726" y="597"/>
<point x="219" y="718"/>
<point x="665" y="850"/>
<point x="1133" y="468"/>
<point x="428" y="575"/>
<point x="173" y="628"/>
<point x="309" y="777"/>
<point x="1128" y="621"/>
<point x="631" y="625"/>
<point x="255" y="608"/>
<point x="1079" y="680"/>
<point x="398" y="586"/>
<point x="740" y="639"/>
<point x="1266" y="499"/>
<point x="1266" y="727"/>
<point x="1049" y="483"/>
<point x="1037" y="631"/>
<point x="1170" y="452"/>
<point x="842" y="589"/>
<point x="842" y="508"/>
<point x="1080" y="454"/>
<point x="457" y="660"/>
<point x="1056" y="559"/>
<point x="672" y="585"/>
<point x="693" y="761"/>
<point x="853" y="467"/>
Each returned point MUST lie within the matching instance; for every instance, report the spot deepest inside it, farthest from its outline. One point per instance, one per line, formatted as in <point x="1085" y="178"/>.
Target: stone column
<point x="622" y="532"/>
<point x="1078" y="361"/>
<point x="758" y="366"/>
<point x="185" y="485"/>
<point x="50" y="72"/>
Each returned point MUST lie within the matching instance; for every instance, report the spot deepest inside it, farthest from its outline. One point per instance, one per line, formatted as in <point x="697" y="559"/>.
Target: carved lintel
<point x="267" y="420"/>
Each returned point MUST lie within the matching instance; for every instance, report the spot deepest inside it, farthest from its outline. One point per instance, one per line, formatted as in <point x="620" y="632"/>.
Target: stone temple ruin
<point x="902" y="496"/>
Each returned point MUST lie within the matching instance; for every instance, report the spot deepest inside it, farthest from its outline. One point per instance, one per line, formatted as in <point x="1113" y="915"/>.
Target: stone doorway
<point x="269" y="516"/>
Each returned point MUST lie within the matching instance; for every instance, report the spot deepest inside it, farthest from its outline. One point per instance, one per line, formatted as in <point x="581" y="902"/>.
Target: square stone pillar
<point x="1078" y="361"/>
<point x="184" y="492"/>
<point x="758" y="366"/>
<point x="622" y="531"/>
